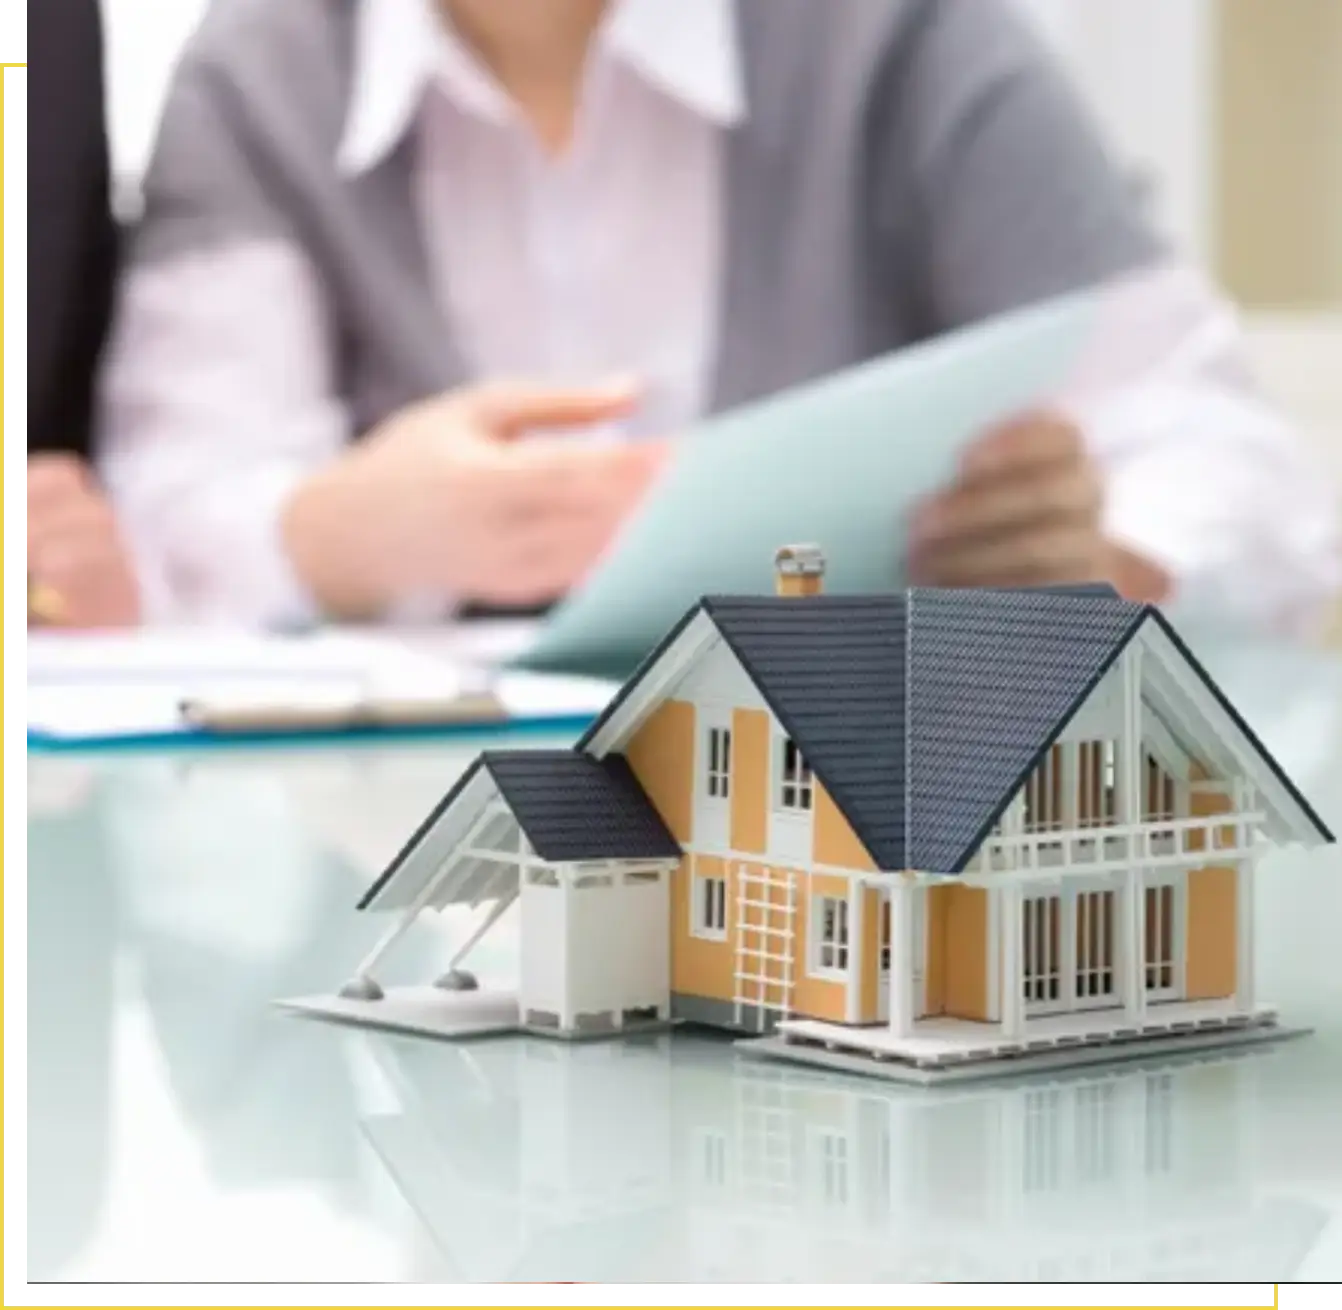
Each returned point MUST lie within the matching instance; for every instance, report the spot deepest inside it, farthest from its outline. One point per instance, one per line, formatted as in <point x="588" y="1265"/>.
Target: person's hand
<point x="1025" y="509"/>
<point x="448" y="497"/>
<point x="75" y="550"/>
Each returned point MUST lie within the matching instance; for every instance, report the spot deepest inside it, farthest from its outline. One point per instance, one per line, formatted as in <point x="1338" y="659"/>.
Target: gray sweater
<point x="904" y="167"/>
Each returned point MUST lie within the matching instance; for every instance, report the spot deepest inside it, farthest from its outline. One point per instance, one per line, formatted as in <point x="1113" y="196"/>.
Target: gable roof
<point x="575" y="807"/>
<point x="924" y="712"/>
<point x="571" y="806"/>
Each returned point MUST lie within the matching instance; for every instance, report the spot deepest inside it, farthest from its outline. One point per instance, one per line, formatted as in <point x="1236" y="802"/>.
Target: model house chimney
<point x="799" y="571"/>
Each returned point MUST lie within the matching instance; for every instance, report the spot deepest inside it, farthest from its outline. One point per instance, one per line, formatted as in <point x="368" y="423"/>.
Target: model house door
<point x="884" y="961"/>
<point x="1069" y="950"/>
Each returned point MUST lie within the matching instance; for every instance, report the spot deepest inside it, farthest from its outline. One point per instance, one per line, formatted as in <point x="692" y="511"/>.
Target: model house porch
<point x="1109" y="901"/>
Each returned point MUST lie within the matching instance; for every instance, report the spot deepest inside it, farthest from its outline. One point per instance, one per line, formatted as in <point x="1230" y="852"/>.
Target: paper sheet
<point x="107" y="688"/>
<point x="840" y="463"/>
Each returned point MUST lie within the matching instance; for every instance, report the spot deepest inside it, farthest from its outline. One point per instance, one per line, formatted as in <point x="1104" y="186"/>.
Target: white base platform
<point x="420" y="1011"/>
<point x="1090" y="1036"/>
<point x="1056" y="1061"/>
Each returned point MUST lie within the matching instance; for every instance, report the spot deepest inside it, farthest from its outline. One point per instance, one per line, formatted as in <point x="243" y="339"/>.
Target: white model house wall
<point x="717" y="685"/>
<point x="598" y="952"/>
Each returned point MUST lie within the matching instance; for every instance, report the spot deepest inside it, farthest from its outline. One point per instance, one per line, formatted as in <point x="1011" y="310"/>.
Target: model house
<point x="896" y="833"/>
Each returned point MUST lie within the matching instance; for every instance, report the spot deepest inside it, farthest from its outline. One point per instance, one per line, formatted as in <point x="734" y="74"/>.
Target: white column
<point x="1071" y="784"/>
<point x="564" y="872"/>
<point x="1130" y="771"/>
<point x="1131" y="812"/>
<point x="1013" y="1006"/>
<point x="1133" y="944"/>
<point x="422" y="900"/>
<point x="1245" y="998"/>
<point x="852" y="1009"/>
<point x="901" y="958"/>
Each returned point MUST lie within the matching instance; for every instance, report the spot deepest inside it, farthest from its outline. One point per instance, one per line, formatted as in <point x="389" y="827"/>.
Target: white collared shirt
<point x="543" y="275"/>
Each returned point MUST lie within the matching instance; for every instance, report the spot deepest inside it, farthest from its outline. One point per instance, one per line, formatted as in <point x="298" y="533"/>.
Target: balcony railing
<point x="1120" y="846"/>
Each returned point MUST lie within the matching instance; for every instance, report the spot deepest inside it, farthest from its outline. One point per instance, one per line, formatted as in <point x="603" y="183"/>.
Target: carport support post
<point x="362" y="985"/>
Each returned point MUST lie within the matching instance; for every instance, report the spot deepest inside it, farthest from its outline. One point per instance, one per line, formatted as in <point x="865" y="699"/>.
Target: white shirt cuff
<point x="1216" y="494"/>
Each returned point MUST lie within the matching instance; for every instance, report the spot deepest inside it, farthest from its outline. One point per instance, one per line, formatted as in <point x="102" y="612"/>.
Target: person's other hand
<point x="1025" y="509"/>
<point x="75" y="549"/>
<point x="449" y="497"/>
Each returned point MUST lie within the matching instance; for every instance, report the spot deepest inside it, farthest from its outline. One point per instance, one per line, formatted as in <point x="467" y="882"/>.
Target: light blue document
<point x="841" y="463"/>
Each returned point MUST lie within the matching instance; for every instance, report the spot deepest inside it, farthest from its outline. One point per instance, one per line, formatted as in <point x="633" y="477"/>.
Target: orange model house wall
<point x="956" y="976"/>
<point x="1209" y="969"/>
<point x="662" y="755"/>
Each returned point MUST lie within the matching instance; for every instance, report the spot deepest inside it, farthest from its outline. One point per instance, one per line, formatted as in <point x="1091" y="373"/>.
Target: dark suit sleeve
<point x="72" y="234"/>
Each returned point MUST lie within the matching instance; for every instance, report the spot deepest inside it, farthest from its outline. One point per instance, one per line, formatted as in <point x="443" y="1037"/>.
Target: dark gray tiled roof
<point x="574" y="807"/>
<point x="923" y="712"/>
<point x="994" y="678"/>
<point x="832" y="670"/>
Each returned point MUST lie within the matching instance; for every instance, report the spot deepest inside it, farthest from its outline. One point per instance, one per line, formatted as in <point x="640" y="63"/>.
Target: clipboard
<point x="198" y="690"/>
<point x="842" y="461"/>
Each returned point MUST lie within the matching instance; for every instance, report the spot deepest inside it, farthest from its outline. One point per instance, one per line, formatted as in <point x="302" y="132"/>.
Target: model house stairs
<point x="903" y="832"/>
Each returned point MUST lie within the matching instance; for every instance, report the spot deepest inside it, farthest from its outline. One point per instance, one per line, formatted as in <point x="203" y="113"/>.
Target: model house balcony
<point x="1159" y="843"/>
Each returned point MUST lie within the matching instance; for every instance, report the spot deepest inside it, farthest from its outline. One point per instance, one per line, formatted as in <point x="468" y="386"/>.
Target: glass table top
<point x="181" y="1127"/>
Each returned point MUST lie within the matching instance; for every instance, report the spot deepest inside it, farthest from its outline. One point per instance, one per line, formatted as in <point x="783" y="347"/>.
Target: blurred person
<point x="366" y="220"/>
<point x="76" y="552"/>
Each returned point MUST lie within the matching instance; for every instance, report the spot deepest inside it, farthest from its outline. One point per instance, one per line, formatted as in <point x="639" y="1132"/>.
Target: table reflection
<point x="669" y="1158"/>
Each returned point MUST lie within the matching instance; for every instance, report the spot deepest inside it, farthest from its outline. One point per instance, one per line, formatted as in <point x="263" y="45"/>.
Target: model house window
<point x="885" y="936"/>
<point x="795" y="783"/>
<point x="1095" y="981"/>
<point x="830" y="934"/>
<point x="833" y="1152"/>
<point x="1159" y="1123"/>
<point x="1160" y="939"/>
<point x="1041" y="950"/>
<point x="590" y="880"/>
<point x="710" y="908"/>
<point x="1043" y="794"/>
<point x="1160" y="793"/>
<point x="1097" y="792"/>
<point x="1041" y="1157"/>
<point x="1095" y="1115"/>
<point x="713" y="1157"/>
<point x="719" y="771"/>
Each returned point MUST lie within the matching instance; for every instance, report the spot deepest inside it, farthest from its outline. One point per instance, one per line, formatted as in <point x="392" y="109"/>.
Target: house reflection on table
<point x="671" y="1159"/>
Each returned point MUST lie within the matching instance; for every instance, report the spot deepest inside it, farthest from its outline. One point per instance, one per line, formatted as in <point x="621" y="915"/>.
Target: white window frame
<point x="885" y="951"/>
<point x="1072" y="904"/>
<point x="819" y="944"/>
<point x="801" y="782"/>
<point x="1177" y="881"/>
<point x="1102" y="904"/>
<point x="717" y="775"/>
<point x="1037" y="996"/>
<point x="705" y="889"/>
<point x="1097" y="762"/>
<point x="1047" y="781"/>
